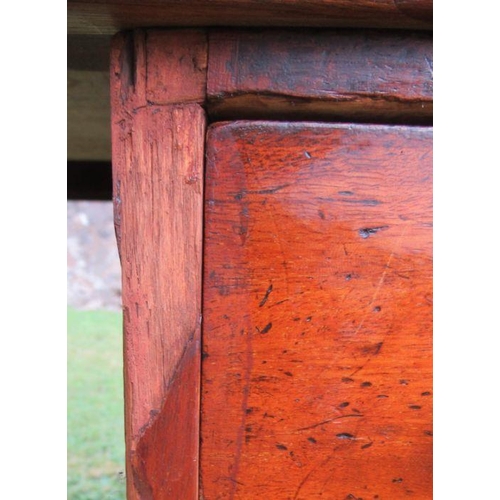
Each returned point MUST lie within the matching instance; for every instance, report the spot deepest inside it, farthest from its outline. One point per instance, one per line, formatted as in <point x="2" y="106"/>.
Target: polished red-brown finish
<point x="356" y="75"/>
<point x="92" y="17"/>
<point x="158" y="200"/>
<point x="317" y="340"/>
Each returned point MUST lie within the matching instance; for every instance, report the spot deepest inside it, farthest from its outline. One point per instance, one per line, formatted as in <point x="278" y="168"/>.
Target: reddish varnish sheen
<point x="158" y="193"/>
<point x="317" y="312"/>
<point x="362" y="75"/>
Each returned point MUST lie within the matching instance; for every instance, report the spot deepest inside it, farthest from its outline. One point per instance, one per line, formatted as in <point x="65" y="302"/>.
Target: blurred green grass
<point x="96" y="450"/>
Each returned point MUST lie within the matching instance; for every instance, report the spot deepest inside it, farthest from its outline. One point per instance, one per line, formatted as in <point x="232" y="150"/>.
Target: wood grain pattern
<point x="317" y="343"/>
<point x="355" y="75"/>
<point x="109" y="16"/>
<point x="158" y="193"/>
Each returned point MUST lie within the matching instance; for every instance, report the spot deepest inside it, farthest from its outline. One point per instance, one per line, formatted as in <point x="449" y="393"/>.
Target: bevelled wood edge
<point x="110" y="16"/>
<point x="332" y="75"/>
<point x="157" y="153"/>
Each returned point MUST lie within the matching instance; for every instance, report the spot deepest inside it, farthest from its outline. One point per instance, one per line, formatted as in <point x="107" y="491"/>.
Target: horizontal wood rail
<point x="370" y="76"/>
<point x="340" y="75"/>
<point x="92" y="17"/>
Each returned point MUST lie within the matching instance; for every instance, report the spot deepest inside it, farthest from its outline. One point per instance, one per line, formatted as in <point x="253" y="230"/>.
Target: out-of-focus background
<point x="96" y="454"/>
<point x="96" y="465"/>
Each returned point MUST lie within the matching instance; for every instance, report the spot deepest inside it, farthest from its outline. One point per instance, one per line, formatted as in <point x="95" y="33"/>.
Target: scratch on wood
<point x="382" y="279"/>
<point x="328" y="421"/>
<point x="308" y="475"/>
<point x="244" y="408"/>
<point x="273" y="190"/>
<point x="429" y="63"/>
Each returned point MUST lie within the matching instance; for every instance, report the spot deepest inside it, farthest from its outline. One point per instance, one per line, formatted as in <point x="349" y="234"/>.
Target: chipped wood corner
<point x="158" y="82"/>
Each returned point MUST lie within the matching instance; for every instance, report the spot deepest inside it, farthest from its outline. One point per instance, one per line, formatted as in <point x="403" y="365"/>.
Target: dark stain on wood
<point x="266" y="328"/>
<point x="368" y="231"/>
<point x="266" y="296"/>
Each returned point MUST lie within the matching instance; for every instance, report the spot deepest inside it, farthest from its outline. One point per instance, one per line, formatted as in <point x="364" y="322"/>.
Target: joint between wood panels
<point x="159" y="67"/>
<point x="176" y="66"/>
<point x="294" y="112"/>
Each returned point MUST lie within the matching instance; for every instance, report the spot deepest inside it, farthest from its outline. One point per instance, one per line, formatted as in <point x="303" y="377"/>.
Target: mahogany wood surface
<point x="356" y="75"/>
<point x="317" y="337"/>
<point x="101" y="17"/>
<point x="157" y="155"/>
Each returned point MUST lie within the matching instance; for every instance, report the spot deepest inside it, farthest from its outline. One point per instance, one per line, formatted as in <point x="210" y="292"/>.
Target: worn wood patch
<point x="157" y="155"/>
<point x="317" y="347"/>
<point x="177" y="67"/>
<point x="365" y="76"/>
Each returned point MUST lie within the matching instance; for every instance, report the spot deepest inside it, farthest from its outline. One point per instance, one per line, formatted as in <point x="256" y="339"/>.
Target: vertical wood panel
<point x="158" y="192"/>
<point x="317" y="344"/>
